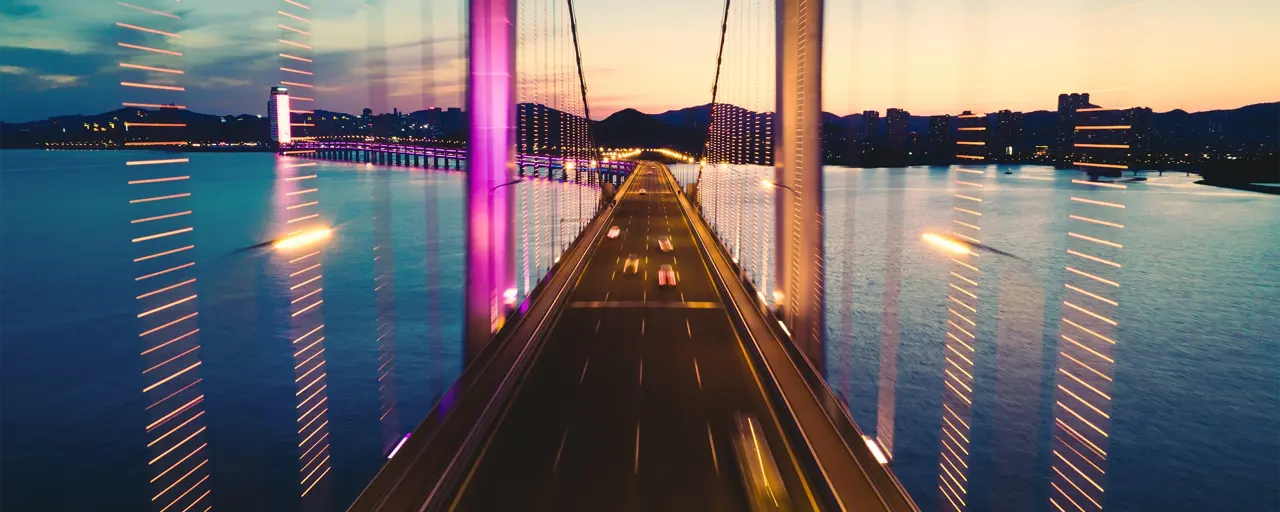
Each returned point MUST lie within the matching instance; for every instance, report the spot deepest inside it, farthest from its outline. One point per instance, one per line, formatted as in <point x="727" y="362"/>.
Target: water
<point x="70" y="371"/>
<point x="1196" y="410"/>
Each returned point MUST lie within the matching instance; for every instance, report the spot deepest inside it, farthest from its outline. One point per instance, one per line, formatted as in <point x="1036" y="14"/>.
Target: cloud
<point x="214" y="82"/>
<point x="13" y="70"/>
<point x="60" y="81"/>
<point x="18" y="9"/>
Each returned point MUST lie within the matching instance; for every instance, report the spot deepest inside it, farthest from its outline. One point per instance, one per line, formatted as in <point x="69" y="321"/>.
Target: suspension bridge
<point x="615" y="372"/>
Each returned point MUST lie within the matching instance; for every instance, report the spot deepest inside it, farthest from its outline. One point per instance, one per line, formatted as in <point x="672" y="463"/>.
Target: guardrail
<point x="443" y="446"/>
<point x="888" y="493"/>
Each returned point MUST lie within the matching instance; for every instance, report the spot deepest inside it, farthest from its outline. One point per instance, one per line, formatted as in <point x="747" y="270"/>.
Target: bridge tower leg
<point x="798" y="172"/>
<point x="490" y="263"/>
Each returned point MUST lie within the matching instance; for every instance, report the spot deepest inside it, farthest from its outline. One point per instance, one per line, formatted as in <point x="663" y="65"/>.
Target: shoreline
<point x="1247" y="187"/>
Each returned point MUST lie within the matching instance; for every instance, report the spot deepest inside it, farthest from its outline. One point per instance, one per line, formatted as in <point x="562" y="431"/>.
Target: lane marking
<point x="615" y="274"/>
<point x="697" y="373"/>
<point x="556" y="464"/>
<point x="636" y="467"/>
<point x="635" y="304"/>
<point x="711" y="439"/>
<point x="688" y="329"/>
<point x="598" y="325"/>
<point x="584" y="370"/>
<point x="641" y="372"/>
<point x="682" y="297"/>
<point x="642" y="327"/>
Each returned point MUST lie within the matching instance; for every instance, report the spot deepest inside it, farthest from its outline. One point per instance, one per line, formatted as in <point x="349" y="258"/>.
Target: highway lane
<point x="630" y="404"/>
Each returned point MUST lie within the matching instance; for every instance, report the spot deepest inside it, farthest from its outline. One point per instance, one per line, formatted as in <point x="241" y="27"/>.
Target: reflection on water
<point x="1172" y="407"/>
<point x="316" y="353"/>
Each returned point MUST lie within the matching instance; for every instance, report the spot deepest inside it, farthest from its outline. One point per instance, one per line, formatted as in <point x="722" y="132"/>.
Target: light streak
<point x="166" y="306"/>
<point x="1096" y="221"/>
<point x="149" y="30"/>
<point x="299" y="45"/>
<point x="302" y="239"/>
<point x="946" y="243"/>
<point x="1090" y="294"/>
<point x="167" y="288"/>
<point x="162" y="235"/>
<point x="149" y="49"/>
<point x="970" y="212"/>
<point x="1091" y="351"/>
<point x="154" y="105"/>
<point x="295" y="57"/>
<point x="1087" y="385"/>
<point x="159" y="254"/>
<point x="296" y="17"/>
<point x="1091" y="276"/>
<point x="158" y="162"/>
<point x="180" y="461"/>
<point x="296" y="84"/>
<point x="171" y="323"/>
<point x="1083" y="401"/>
<point x="1105" y="127"/>
<point x="1105" y="166"/>
<point x="167" y="143"/>
<point x="1086" y="329"/>
<point x="165" y="272"/>
<point x="1104" y="146"/>
<point x="150" y="68"/>
<point x="159" y="217"/>
<point x="1086" y="366"/>
<point x="1082" y="418"/>
<point x="1096" y="241"/>
<point x="297" y="4"/>
<point x="149" y="11"/>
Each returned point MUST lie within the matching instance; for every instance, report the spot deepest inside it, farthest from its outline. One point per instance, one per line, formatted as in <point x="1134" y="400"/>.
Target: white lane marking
<point x="682" y="297"/>
<point x="711" y="439"/>
<point x="615" y="274"/>
<point x="641" y="372"/>
<point x="598" y="325"/>
<point x="642" y="327"/>
<point x="697" y="373"/>
<point x="636" y="468"/>
<point x="563" y="437"/>
<point x="584" y="370"/>
<point x="688" y="329"/>
<point x="606" y="296"/>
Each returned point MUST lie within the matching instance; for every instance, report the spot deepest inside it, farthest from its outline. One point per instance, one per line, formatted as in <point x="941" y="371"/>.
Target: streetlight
<point x="768" y="185"/>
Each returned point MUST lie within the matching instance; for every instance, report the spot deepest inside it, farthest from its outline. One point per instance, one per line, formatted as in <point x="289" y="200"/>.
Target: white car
<point x="643" y="192"/>
<point x="614" y="232"/>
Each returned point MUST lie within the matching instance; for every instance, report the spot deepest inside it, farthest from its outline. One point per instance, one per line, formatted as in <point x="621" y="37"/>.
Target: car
<point x="760" y="476"/>
<point x="643" y="192"/>
<point x="632" y="265"/>
<point x="664" y="243"/>
<point x="614" y="232"/>
<point x="666" y="276"/>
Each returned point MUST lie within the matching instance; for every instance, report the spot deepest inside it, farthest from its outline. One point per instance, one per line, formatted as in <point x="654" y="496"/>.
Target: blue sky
<point x="59" y="56"/>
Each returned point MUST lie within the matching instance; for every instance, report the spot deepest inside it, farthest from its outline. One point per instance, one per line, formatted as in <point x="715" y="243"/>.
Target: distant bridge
<point x="429" y="157"/>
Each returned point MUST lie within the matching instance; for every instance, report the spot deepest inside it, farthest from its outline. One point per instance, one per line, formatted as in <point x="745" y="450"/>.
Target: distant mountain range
<point x="1245" y="129"/>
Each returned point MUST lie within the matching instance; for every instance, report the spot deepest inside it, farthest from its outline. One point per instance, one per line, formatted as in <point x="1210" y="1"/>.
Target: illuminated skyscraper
<point x="896" y="132"/>
<point x="278" y="113"/>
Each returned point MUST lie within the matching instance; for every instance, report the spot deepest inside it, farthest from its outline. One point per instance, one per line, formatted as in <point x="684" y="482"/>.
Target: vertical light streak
<point x="889" y="320"/>
<point x="166" y="300"/>
<point x="960" y="349"/>
<point x="305" y="280"/>
<point x="1089" y="321"/>
<point x="297" y="205"/>
<point x="385" y="303"/>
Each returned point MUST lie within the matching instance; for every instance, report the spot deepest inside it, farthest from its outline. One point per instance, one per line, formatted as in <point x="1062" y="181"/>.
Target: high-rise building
<point x="1005" y="136"/>
<point x="869" y="120"/>
<point x="939" y="139"/>
<point x="1068" y="104"/>
<point x="278" y="115"/>
<point x="895" y="130"/>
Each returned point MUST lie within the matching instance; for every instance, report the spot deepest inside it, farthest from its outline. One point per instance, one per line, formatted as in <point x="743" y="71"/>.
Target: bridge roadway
<point x="630" y="404"/>
<point x="608" y="393"/>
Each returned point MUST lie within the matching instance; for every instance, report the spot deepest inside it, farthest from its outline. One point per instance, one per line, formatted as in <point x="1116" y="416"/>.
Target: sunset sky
<point x="930" y="57"/>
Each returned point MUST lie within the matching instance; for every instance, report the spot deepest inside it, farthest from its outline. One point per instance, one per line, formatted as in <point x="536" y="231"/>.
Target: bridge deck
<point x="629" y="406"/>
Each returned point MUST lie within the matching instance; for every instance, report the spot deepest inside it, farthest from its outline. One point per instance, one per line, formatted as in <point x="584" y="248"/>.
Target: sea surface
<point x="1196" y="410"/>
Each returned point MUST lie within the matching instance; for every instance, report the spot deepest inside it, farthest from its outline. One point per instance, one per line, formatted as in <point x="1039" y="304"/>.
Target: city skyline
<point x="58" y="57"/>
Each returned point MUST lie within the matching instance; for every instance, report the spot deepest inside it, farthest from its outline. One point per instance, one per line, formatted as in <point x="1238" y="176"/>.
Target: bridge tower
<point x="490" y="230"/>
<point x="798" y="174"/>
